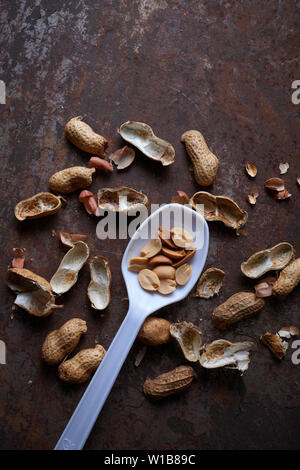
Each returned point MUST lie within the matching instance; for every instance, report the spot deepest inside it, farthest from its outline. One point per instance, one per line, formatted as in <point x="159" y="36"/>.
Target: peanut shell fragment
<point x="121" y="199"/>
<point x="123" y="157"/>
<point x="251" y="169"/>
<point x="183" y="274"/>
<point x="141" y="136"/>
<point x="169" y="383"/>
<point x="81" y="367"/>
<point x="274" y="258"/>
<point x="61" y="342"/>
<point x="39" y="205"/>
<point x="275" y="184"/>
<point x="205" y="163"/>
<point x="155" y="331"/>
<point x="210" y="283"/>
<point x="82" y="136"/>
<point x="149" y="280"/>
<point x="223" y="353"/>
<point x="67" y="272"/>
<point x="99" y="286"/>
<point x="70" y="179"/>
<point x="189" y="338"/>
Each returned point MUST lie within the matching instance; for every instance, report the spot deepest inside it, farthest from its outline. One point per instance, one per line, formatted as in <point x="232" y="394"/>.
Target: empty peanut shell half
<point x="99" y="287"/>
<point x="210" y="283"/>
<point x="33" y="292"/>
<point x="219" y="208"/>
<point x="152" y="248"/>
<point x="181" y="237"/>
<point x="183" y="274"/>
<point x="39" y="205"/>
<point x="189" y="338"/>
<point x="274" y="258"/>
<point x="67" y="272"/>
<point x="222" y="353"/>
<point x="142" y="137"/>
<point x="70" y="179"/>
<point x="149" y="280"/>
<point x="121" y="199"/>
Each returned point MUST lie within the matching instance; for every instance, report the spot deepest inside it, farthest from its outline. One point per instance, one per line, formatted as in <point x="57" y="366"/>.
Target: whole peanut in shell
<point x="236" y="308"/>
<point x="205" y="163"/>
<point x="71" y="179"/>
<point x="83" y="137"/>
<point x="155" y="331"/>
<point x="61" y="342"/>
<point x="170" y="383"/>
<point x="82" y="366"/>
<point x="289" y="279"/>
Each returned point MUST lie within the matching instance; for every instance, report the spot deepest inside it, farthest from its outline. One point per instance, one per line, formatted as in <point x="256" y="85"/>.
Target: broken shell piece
<point x="67" y="272"/>
<point x="183" y="274"/>
<point x="99" y="287"/>
<point x="251" y="198"/>
<point x="273" y="258"/>
<point x="275" y="344"/>
<point x="68" y="239"/>
<point x="189" y="338"/>
<point x="265" y="287"/>
<point x="181" y="237"/>
<point x="283" y="167"/>
<point x="181" y="198"/>
<point x="141" y="136"/>
<point x="275" y="184"/>
<point x="298" y="180"/>
<point x="33" y="292"/>
<point x="152" y="248"/>
<point x="140" y="356"/>
<point x="222" y="353"/>
<point x="282" y="195"/>
<point x="210" y="283"/>
<point x="121" y="199"/>
<point x="219" y="208"/>
<point x="137" y="263"/>
<point x="164" y="272"/>
<point x="19" y="258"/>
<point x="251" y="169"/>
<point x="159" y="259"/>
<point x="189" y="254"/>
<point x="167" y="286"/>
<point x="123" y="157"/>
<point x="39" y="205"/>
<point x="288" y="331"/>
<point x="149" y="280"/>
<point x="70" y="179"/>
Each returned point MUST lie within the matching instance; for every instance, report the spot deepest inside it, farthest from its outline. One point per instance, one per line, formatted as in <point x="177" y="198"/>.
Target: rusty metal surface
<point x="222" y="67"/>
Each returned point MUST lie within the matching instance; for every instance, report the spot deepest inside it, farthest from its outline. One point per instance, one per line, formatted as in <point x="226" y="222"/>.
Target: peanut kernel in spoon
<point x="152" y="248"/>
<point x="181" y="238"/>
<point x="165" y="272"/>
<point x="183" y="274"/>
<point x="137" y="263"/>
<point x="159" y="259"/>
<point x="149" y="280"/>
<point x="167" y="286"/>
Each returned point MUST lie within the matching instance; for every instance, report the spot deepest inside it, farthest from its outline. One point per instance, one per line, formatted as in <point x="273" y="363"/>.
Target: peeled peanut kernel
<point x="183" y="274"/>
<point x="189" y="254"/>
<point x="149" y="280"/>
<point x="159" y="259"/>
<point x="165" y="236"/>
<point x="167" y="286"/>
<point x="152" y="248"/>
<point x="137" y="263"/>
<point x="174" y="254"/>
<point x="164" y="272"/>
<point x="181" y="238"/>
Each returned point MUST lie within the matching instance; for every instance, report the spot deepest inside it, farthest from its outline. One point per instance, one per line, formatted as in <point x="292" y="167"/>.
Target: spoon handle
<point x="91" y="403"/>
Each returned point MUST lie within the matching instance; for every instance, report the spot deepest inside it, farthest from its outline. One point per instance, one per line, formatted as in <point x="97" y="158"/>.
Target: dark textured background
<point x="223" y="67"/>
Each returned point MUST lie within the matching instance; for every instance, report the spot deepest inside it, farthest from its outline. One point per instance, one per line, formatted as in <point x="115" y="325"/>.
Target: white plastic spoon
<point x="141" y="305"/>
